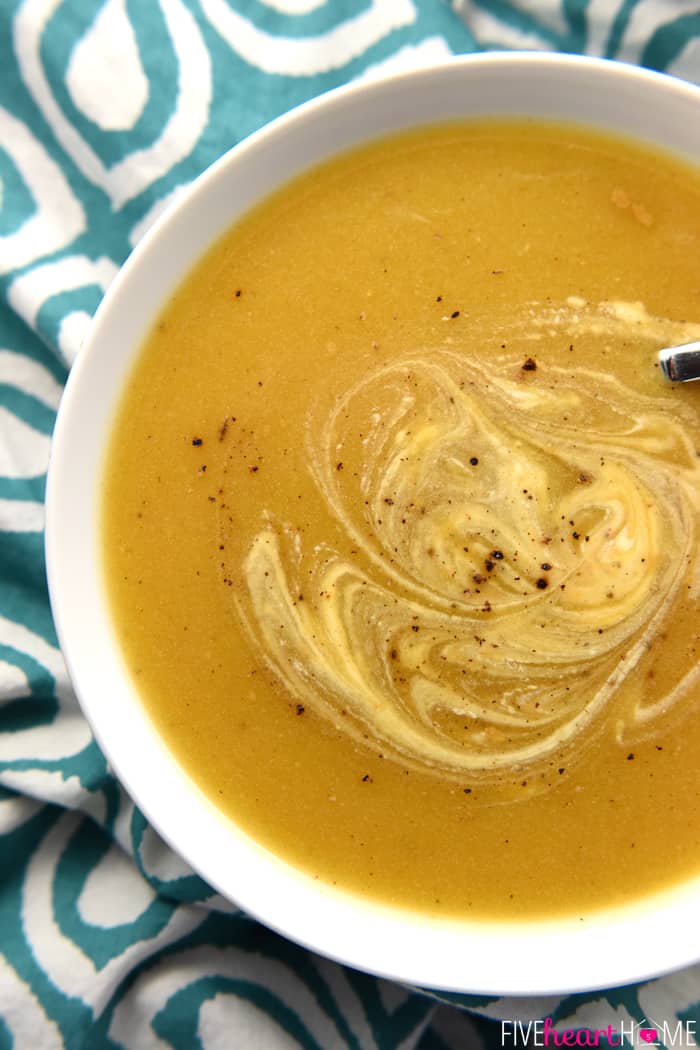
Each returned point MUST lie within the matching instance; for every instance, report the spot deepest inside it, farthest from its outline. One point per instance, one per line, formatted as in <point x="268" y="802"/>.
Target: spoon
<point x="681" y="363"/>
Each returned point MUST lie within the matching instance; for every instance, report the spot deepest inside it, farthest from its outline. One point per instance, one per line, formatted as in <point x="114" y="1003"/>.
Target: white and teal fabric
<point x="107" y="109"/>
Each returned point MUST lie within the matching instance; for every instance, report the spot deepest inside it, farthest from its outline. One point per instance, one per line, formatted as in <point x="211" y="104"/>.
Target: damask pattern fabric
<point x="108" y="108"/>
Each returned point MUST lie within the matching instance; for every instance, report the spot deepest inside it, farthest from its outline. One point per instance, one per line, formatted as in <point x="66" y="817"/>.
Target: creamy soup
<point x="400" y="522"/>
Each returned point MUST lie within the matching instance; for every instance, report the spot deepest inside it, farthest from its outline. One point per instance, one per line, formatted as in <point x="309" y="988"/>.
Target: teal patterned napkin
<point x="107" y="109"/>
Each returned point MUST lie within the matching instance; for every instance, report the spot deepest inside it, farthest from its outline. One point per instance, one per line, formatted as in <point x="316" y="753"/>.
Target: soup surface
<point x="400" y="522"/>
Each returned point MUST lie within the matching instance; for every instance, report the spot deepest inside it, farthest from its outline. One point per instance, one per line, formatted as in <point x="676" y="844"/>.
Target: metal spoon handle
<point x="681" y="363"/>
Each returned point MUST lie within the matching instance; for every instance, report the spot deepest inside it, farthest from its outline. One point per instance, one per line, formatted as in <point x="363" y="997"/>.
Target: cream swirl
<point x="513" y="542"/>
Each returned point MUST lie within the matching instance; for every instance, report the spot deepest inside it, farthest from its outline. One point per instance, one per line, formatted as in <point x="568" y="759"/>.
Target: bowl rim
<point x="606" y="948"/>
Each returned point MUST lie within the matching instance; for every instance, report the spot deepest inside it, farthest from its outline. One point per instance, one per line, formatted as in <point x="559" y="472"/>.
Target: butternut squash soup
<point x="400" y="522"/>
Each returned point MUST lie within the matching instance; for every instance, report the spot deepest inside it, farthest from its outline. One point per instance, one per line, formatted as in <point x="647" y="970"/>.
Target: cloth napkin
<point x="107" y="109"/>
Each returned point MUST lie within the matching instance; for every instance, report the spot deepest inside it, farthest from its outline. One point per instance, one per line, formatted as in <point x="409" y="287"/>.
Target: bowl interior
<point x="607" y="948"/>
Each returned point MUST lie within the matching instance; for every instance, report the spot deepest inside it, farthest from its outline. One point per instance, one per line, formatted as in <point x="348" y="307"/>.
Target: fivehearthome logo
<point x="646" y="1033"/>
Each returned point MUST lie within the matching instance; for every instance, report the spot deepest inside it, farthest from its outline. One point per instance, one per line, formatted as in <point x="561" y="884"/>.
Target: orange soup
<point x="400" y="522"/>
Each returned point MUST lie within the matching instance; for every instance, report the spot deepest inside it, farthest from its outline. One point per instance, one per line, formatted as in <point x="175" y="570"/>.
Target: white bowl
<point x="609" y="947"/>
